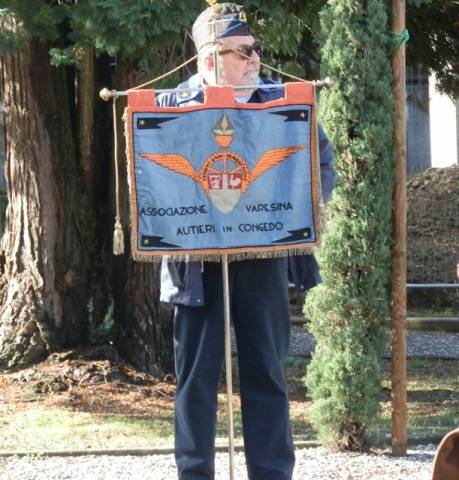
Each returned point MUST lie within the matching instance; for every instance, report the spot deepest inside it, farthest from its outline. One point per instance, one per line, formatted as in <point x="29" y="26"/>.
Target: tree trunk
<point x="43" y="297"/>
<point x="94" y="158"/>
<point x="143" y="324"/>
<point x="86" y="97"/>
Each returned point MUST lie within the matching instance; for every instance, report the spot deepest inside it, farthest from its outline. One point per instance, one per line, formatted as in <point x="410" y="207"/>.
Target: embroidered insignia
<point x="184" y="95"/>
<point x="224" y="176"/>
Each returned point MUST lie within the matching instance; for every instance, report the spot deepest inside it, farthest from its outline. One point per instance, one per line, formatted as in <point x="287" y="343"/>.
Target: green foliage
<point x="152" y="33"/>
<point x="287" y="30"/>
<point x="349" y="308"/>
<point x="127" y="29"/>
<point x="419" y="3"/>
<point x="35" y="17"/>
<point x="434" y="40"/>
<point x="131" y="29"/>
<point x="8" y="39"/>
<point x="155" y="34"/>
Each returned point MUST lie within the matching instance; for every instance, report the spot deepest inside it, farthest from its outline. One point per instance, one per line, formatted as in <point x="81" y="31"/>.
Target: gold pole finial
<point x="211" y="2"/>
<point x="106" y="94"/>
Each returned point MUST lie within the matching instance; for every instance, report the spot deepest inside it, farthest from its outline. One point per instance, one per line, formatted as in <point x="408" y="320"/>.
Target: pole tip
<point x="327" y="83"/>
<point x="106" y="94"/>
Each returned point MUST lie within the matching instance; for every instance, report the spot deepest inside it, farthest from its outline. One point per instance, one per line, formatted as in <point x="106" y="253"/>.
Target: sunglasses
<point x="244" y="51"/>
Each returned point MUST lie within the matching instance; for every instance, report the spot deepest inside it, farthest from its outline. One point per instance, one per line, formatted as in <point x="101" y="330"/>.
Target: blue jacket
<point x="181" y="282"/>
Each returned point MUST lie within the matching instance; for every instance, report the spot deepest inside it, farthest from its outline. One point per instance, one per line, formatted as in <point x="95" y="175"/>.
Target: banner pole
<point x="228" y="364"/>
<point x="227" y="317"/>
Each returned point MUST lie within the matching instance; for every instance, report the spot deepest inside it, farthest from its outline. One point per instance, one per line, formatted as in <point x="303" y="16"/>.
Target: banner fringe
<point x="128" y="169"/>
<point x="232" y="257"/>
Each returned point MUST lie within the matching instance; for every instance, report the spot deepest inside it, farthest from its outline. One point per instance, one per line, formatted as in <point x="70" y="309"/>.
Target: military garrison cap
<point x="219" y="21"/>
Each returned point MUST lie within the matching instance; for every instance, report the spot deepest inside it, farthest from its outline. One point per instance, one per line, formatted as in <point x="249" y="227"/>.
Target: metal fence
<point x="433" y="244"/>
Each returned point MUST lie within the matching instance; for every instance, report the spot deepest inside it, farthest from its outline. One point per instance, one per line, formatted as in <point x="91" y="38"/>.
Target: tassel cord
<point x="161" y="77"/>
<point x="118" y="236"/>
<point x="184" y="64"/>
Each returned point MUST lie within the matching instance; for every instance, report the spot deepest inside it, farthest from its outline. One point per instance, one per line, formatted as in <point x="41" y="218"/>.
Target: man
<point x="259" y="296"/>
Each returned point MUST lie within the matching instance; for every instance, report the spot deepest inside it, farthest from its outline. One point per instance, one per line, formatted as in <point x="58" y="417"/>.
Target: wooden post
<point x="398" y="313"/>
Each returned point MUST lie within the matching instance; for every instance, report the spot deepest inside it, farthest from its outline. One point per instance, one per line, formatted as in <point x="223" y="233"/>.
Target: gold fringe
<point x="232" y="257"/>
<point x="129" y="164"/>
<point x="118" y="238"/>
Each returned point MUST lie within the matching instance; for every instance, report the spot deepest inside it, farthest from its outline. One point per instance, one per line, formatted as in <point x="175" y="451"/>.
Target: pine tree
<point x="348" y="310"/>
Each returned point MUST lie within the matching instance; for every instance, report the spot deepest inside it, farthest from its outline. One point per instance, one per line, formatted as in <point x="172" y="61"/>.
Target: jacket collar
<point x="259" y="96"/>
<point x="197" y="95"/>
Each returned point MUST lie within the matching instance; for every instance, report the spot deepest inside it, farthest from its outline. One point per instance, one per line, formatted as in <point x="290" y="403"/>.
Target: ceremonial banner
<point x="223" y="177"/>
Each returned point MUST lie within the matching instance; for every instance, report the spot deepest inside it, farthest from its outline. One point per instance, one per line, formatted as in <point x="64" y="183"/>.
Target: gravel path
<point x="419" y="344"/>
<point x="311" y="464"/>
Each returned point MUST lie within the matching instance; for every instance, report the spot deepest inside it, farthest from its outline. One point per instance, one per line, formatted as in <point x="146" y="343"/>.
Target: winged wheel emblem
<point x="224" y="177"/>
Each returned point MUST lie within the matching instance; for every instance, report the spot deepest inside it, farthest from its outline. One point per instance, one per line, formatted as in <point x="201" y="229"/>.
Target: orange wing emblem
<point x="224" y="176"/>
<point x="272" y="158"/>
<point x="176" y="163"/>
<point x="181" y="165"/>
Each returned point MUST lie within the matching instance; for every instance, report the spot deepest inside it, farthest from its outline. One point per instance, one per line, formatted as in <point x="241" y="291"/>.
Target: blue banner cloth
<point x="222" y="177"/>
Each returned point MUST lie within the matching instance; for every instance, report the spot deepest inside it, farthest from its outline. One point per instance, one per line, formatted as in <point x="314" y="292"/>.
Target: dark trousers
<point x="260" y="314"/>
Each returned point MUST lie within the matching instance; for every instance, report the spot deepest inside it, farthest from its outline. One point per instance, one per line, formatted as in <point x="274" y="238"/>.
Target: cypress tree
<point x="348" y="310"/>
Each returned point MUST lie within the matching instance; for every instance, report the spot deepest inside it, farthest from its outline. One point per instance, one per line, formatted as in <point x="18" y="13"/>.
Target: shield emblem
<point x="224" y="190"/>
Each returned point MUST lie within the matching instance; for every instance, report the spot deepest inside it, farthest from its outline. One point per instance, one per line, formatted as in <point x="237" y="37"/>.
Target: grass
<point x="433" y="409"/>
<point x="432" y="395"/>
<point x="424" y="312"/>
<point x="52" y="429"/>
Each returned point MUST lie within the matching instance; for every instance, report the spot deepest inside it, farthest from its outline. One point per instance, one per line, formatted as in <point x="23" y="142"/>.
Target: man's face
<point x="234" y="69"/>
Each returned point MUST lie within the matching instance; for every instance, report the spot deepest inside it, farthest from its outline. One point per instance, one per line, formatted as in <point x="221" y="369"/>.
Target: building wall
<point x="443" y="127"/>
